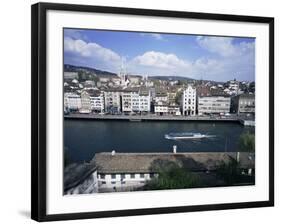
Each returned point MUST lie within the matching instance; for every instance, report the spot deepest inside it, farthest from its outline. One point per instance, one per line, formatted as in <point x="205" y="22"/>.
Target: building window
<point x="103" y="182"/>
<point x="113" y="176"/>
<point x="142" y="175"/>
<point x="132" y="175"/>
<point x="123" y="175"/>
<point x="151" y="175"/>
<point x="102" y="176"/>
<point x="113" y="182"/>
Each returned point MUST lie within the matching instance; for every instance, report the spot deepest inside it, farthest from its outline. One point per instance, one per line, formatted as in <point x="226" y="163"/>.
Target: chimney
<point x="113" y="152"/>
<point x="174" y="149"/>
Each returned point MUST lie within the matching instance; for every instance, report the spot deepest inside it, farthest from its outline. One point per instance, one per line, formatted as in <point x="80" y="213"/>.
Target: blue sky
<point x="194" y="56"/>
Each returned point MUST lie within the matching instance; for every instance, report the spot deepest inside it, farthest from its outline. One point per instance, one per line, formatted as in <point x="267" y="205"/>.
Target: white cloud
<point x="226" y="61"/>
<point x="91" y="53"/>
<point x="224" y="46"/>
<point x="220" y="45"/>
<point x="160" y="60"/>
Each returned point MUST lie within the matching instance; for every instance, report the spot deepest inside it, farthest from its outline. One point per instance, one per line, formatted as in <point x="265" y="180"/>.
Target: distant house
<point x="134" y="79"/>
<point x="104" y="78"/>
<point x="233" y="86"/>
<point x="203" y="90"/>
<point x="244" y="103"/>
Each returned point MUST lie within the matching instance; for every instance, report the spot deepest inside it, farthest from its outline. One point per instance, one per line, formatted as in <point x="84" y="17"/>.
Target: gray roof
<point x="148" y="162"/>
<point x="75" y="174"/>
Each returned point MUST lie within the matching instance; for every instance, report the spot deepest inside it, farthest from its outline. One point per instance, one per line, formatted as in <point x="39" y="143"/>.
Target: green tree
<point x="229" y="172"/>
<point x="178" y="97"/>
<point x="172" y="176"/>
<point x="247" y="142"/>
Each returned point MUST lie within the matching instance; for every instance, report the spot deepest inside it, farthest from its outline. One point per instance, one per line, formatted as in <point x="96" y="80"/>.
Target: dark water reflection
<point x="82" y="139"/>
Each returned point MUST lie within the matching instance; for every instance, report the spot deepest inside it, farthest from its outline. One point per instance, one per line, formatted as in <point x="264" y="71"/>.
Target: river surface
<point x="83" y="138"/>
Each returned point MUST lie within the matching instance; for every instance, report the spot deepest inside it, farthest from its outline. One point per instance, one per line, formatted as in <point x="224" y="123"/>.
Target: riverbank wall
<point x="138" y="118"/>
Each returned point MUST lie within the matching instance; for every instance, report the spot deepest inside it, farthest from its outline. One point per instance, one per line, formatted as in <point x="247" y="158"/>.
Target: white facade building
<point x="97" y="101"/>
<point x="108" y="182"/>
<point x="72" y="101"/>
<point x="144" y="101"/>
<point x="161" y="108"/>
<point x="85" y="103"/>
<point x="189" y="101"/>
<point x="213" y="104"/>
<point x="135" y="101"/>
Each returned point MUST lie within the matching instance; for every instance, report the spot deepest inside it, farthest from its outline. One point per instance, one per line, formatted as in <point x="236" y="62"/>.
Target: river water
<point x="83" y="138"/>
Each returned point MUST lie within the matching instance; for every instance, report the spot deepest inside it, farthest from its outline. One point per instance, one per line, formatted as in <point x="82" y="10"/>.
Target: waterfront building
<point x="174" y="109"/>
<point x="126" y="102"/>
<point x="213" y="105"/>
<point x="244" y="103"/>
<point x="189" y="101"/>
<point x="144" y="100"/>
<point x="85" y="103"/>
<point x="97" y="101"/>
<point x="112" y="101"/>
<point x="135" y="100"/>
<point x="72" y="101"/>
<point x="161" y="108"/>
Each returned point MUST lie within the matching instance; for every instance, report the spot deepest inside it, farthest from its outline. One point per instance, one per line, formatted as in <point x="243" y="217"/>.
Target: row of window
<point x="122" y="182"/>
<point x="123" y="176"/>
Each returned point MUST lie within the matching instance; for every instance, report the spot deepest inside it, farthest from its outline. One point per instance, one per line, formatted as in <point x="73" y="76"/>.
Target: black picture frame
<point x="39" y="108"/>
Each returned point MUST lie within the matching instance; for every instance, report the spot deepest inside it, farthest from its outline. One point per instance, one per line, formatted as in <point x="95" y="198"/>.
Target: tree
<point x="178" y="97"/>
<point x="172" y="176"/>
<point x="229" y="172"/>
<point x="247" y="142"/>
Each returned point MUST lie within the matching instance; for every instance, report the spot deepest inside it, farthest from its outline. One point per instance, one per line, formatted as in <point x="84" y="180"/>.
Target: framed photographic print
<point x="139" y="111"/>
